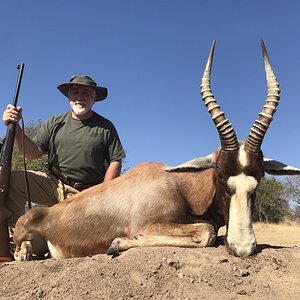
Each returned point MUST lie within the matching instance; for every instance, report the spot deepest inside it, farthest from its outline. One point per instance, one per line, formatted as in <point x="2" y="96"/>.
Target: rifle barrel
<point x="20" y="67"/>
<point x="5" y="168"/>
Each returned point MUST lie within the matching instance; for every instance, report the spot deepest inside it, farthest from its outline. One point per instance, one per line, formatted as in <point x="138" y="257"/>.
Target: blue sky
<point x="151" y="56"/>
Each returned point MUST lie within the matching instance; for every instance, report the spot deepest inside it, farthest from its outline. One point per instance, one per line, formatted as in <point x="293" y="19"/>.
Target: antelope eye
<point x="231" y="190"/>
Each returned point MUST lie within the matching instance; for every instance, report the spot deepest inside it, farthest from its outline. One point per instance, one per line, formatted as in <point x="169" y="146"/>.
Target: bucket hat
<point x="101" y="92"/>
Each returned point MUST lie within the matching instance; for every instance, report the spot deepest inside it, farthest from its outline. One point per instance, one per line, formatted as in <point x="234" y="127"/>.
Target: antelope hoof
<point x="114" y="247"/>
<point x="26" y="257"/>
<point x="23" y="253"/>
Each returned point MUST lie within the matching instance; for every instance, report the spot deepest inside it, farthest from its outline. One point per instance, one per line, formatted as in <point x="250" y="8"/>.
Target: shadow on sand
<point x="259" y="247"/>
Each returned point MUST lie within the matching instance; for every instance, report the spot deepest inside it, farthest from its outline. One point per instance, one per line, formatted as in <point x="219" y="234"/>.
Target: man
<point x="83" y="149"/>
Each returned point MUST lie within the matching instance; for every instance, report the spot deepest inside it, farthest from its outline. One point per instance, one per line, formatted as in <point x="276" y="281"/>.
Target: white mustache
<point x="79" y="102"/>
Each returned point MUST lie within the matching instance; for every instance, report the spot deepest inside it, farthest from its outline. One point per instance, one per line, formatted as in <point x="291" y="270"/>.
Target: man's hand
<point x="12" y="114"/>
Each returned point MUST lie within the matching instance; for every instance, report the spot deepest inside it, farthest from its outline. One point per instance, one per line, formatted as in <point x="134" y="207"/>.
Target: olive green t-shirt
<point x="80" y="148"/>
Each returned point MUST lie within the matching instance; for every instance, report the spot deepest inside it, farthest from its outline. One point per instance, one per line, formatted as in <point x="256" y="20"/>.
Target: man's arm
<point x="13" y="114"/>
<point x="113" y="171"/>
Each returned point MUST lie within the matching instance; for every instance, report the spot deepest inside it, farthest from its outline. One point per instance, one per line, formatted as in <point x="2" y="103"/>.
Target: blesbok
<point x="157" y="205"/>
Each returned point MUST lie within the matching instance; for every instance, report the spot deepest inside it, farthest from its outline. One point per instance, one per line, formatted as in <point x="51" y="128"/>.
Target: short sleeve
<point x="114" y="149"/>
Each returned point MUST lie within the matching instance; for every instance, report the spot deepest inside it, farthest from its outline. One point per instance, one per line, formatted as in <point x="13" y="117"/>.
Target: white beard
<point x="80" y="108"/>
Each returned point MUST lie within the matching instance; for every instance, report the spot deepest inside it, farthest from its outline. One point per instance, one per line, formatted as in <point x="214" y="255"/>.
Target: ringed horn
<point x="227" y="134"/>
<point x="260" y="126"/>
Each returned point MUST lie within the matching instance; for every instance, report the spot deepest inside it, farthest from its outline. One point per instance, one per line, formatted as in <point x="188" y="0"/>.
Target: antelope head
<point x="239" y="166"/>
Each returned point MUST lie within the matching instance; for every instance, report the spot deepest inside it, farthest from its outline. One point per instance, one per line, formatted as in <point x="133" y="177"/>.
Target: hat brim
<point x="101" y="92"/>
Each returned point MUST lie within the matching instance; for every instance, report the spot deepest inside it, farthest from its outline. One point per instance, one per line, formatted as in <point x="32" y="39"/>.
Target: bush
<point x="271" y="205"/>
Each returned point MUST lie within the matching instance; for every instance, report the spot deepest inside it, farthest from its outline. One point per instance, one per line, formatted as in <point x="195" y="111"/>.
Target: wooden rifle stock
<point x="5" y="168"/>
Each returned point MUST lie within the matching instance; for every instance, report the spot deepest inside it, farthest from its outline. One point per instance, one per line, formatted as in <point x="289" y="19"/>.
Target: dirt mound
<point x="160" y="273"/>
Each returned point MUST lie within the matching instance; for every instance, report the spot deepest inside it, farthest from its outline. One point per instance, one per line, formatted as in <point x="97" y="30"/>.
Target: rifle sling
<point x="25" y="168"/>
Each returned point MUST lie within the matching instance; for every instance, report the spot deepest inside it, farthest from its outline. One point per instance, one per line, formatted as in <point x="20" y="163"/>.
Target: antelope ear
<point x="275" y="167"/>
<point x="197" y="164"/>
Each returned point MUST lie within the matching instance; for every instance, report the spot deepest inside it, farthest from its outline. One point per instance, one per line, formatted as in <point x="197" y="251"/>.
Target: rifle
<point x="5" y="168"/>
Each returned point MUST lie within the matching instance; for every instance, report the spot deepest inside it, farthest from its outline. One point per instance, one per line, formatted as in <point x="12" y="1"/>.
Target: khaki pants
<point x="45" y="189"/>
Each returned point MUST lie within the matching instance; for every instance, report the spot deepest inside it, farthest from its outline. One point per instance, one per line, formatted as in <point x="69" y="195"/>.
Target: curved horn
<point x="260" y="126"/>
<point x="226" y="132"/>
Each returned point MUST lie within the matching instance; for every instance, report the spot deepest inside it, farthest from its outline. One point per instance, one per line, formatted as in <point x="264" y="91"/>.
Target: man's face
<point x="81" y="99"/>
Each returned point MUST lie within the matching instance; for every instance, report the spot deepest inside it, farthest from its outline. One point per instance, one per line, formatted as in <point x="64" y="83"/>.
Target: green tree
<point x="292" y="192"/>
<point x="271" y="205"/>
<point x="1" y="143"/>
<point x="17" y="159"/>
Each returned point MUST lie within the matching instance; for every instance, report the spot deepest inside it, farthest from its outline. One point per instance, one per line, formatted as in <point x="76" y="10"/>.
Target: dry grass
<point x="284" y="234"/>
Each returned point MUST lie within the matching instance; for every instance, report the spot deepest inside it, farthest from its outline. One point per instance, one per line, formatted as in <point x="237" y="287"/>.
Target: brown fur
<point x="86" y="223"/>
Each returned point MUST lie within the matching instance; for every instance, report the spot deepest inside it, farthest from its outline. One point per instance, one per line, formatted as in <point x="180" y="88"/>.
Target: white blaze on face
<point x="240" y="234"/>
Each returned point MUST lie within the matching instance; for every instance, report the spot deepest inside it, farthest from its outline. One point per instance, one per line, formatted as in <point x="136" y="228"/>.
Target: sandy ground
<point x="166" y="273"/>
